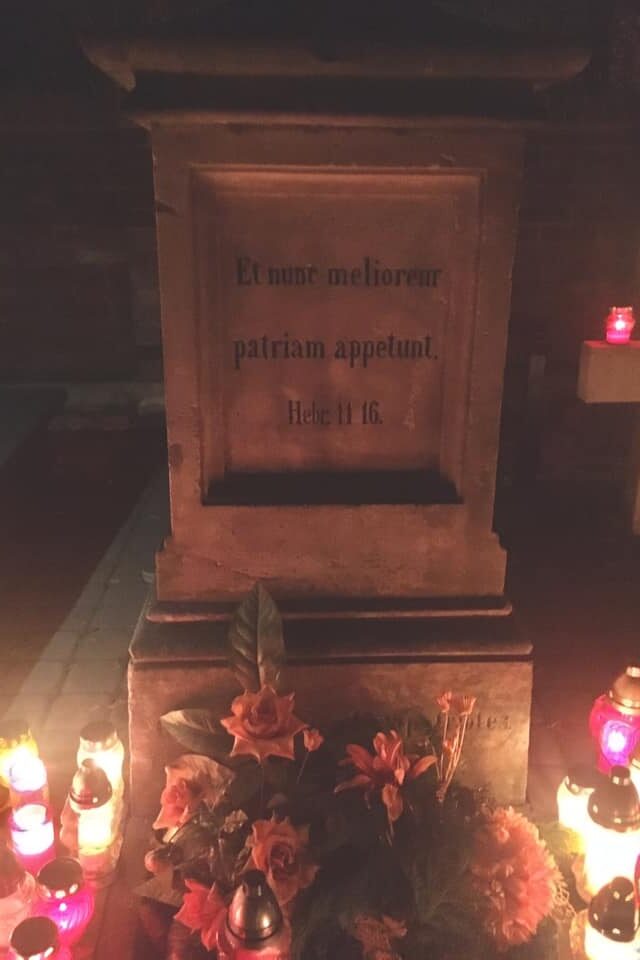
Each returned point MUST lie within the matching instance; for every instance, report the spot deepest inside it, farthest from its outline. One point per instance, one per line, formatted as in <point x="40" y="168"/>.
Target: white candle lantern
<point x="611" y="931"/>
<point x="91" y="798"/>
<point x="28" y="781"/>
<point x="613" y="832"/>
<point x="573" y="797"/>
<point x="32" y="835"/>
<point x="99" y="741"/>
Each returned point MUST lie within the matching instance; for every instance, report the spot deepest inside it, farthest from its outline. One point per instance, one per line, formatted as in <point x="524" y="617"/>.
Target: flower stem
<point x="302" y="766"/>
<point x="262" y="779"/>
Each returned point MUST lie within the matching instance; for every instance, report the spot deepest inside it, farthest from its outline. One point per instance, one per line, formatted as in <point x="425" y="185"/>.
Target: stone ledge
<point x="609" y="373"/>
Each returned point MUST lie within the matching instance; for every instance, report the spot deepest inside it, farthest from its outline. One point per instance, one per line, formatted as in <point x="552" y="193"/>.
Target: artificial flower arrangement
<point x="371" y="848"/>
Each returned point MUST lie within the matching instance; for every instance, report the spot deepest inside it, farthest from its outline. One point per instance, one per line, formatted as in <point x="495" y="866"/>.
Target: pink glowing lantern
<point x="620" y="323"/>
<point x="64" y="897"/>
<point x="32" y="836"/>
<point x="37" y="939"/>
<point x="28" y="781"/>
<point x="615" y="720"/>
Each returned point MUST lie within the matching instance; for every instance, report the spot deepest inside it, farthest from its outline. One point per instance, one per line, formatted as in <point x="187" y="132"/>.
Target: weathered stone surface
<point x="321" y="476"/>
<point x="363" y="667"/>
<point x="609" y="373"/>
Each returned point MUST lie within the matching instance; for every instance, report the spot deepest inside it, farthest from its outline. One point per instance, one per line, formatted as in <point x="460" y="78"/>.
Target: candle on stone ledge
<point x="613" y="835"/>
<point x="573" y="797"/>
<point x="99" y="741"/>
<point x="65" y="898"/>
<point x="611" y="931"/>
<point x="16" y="742"/>
<point x="32" y="836"/>
<point x="28" y="781"/>
<point x="37" y="939"/>
<point x="614" y="721"/>
<point x="620" y="322"/>
<point x="91" y="798"/>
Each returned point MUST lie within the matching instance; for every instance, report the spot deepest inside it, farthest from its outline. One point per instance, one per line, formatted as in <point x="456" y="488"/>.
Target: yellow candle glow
<point x="99" y="741"/>
<point x="612" y="839"/>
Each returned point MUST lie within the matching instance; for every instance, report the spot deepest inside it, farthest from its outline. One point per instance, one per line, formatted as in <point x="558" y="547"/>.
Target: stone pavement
<point x="81" y="673"/>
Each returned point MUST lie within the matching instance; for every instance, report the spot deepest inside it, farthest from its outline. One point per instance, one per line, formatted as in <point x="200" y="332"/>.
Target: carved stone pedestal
<point x="340" y="667"/>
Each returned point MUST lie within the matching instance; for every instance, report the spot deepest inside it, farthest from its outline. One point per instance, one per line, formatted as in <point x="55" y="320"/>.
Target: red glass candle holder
<point x="615" y="720"/>
<point x="64" y="897"/>
<point x="620" y="323"/>
<point x="32" y="836"/>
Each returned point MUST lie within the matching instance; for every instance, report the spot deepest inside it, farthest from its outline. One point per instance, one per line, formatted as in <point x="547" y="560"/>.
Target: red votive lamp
<point x="28" y="781"/>
<point x="615" y="720"/>
<point x="37" y="939"/>
<point x="64" y="897"/>
<point x="32" y="836"/>
<point x="620" y="323"/>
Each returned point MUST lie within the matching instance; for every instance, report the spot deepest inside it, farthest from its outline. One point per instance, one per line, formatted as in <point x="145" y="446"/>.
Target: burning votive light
<point x="615" y="720"/>
<point x="32" y="836"/>
<point x="99" y="741"/>
<point x="37" y="939"/>
<point x="64" y="897"/>
<point x="17" y="890"/>
<point x="28" y="781"/>
<point x="15" y="742"/>
<point x="620" y="323"/>
<point x="613" y="833"/>
<point x="91" y="798"/>
<point x="611" y="931"/>
<point x="573" y="797"/>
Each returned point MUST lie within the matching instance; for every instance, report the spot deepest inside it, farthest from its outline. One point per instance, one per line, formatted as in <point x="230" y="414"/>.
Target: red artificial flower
<point x="202" y="909"/>
<point x="385" y="771"/>
<point x="263" y="725"/>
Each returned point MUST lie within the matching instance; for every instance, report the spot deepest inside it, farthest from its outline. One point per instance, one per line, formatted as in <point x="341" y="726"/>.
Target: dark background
<point x="78" y="279"/>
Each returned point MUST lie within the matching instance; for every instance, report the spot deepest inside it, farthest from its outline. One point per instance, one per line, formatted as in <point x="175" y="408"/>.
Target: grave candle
<point x="613" y="834"/>
<point x="611" y="931"/>
<point x="28" y="781"/>
<point x="615" y="720"/>
<point x="64" y="897"/>
<point x="17" y="890"/>
<point x="99" y="741"/>
<point x="91" y="798"/>
<point x="37" y="939"/>
<point x="253" y="926"/>
<point x="620" y="322"/>
<point x="573" y="796"/>
<point x="15" y="742"/>
<point x="32" y="835"/>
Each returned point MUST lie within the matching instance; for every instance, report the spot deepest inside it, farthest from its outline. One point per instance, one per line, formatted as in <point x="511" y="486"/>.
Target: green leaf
<point x="201" y="732"/>
<point x="256" y="644"/>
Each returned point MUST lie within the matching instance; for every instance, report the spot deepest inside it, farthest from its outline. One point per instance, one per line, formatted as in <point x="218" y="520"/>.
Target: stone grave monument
<point x="335" y="299"/>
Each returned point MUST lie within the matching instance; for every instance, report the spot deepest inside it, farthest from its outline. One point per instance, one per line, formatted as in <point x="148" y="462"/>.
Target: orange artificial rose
<point x="280" y="850"/>
<point x="313" y="740"/>
<point x="263" y="725"/>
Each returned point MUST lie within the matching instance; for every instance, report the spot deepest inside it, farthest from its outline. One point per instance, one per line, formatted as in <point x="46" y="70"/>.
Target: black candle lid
<point x="33" y="937"/>
<point x="254" y="914"/>
<point x="98" y="735"/>
<point x="90" y="786"/>
<point x="613" y="911"/>
<point x="614" y="804"/>
<point x="60" y="878"/>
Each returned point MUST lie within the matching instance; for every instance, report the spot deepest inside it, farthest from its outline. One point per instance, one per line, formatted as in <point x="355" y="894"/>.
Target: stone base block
<point x="609" y="373"/>
<point x="339" y="668"/>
